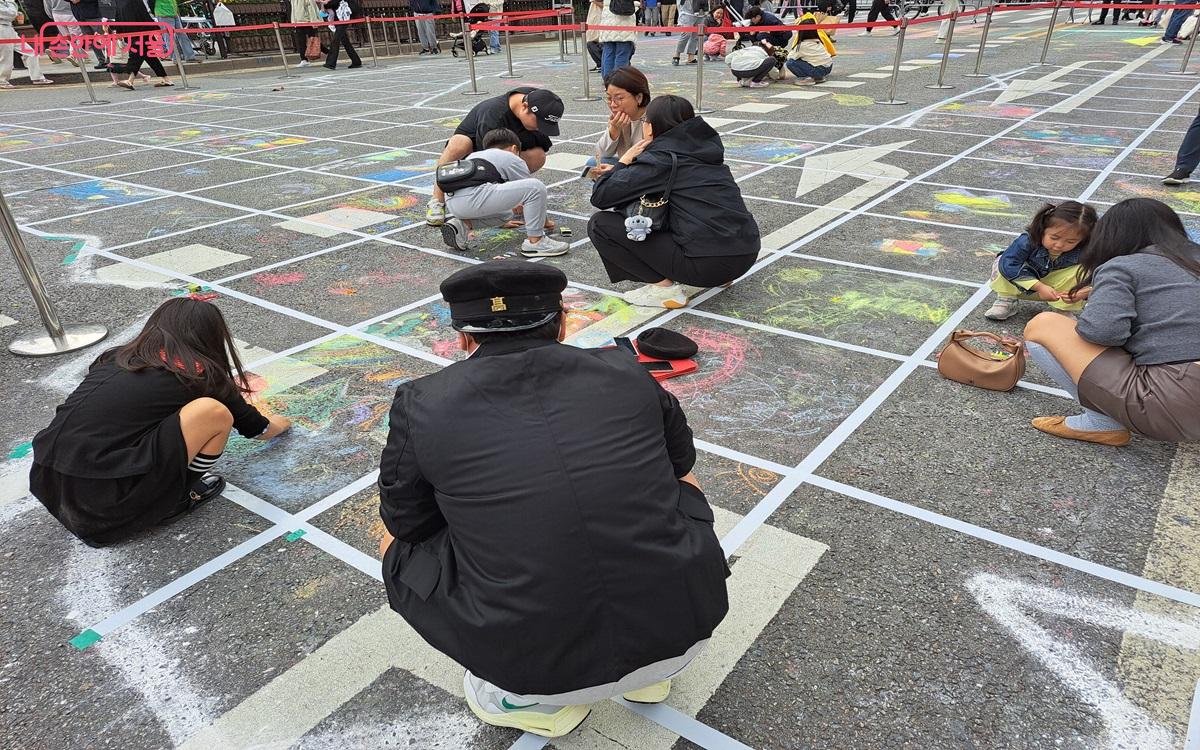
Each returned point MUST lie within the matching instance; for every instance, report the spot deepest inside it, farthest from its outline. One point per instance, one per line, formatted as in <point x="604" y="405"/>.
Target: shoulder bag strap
<point x="671" y="180"/>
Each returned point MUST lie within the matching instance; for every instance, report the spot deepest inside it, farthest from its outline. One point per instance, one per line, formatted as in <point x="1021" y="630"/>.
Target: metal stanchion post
<point x="896" y="66"/>
<point x="945" y="56"/>
<point x="987" y="25"/>
<point x="413" y="37"/>
<point x="178" y="65"/>
<point x="583" y="62"/>
<point x="87" y="81"/>
<point x="387" y="40"/>
<point x="700" y="110"/>
<point x="508" y="56"/>
<point x="282" y="54"/>
<point x="574" y="32"/>
<point x="470" y="59"/>
<point x="1050" y="31"/>
<point x="58" y="338"/>
<point x="371" y="41"/>
<point x="1187" y="56"/>
<point x="562" y="41"/>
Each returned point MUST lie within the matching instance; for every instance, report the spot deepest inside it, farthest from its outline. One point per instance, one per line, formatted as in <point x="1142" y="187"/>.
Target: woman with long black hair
<point x="1132" y="360"/>
<point x="710" y="238"/>
<point x="132" y="446"/>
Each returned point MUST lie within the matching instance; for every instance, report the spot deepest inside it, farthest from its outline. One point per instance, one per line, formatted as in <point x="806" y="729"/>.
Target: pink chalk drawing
<point x="268" y="280"/>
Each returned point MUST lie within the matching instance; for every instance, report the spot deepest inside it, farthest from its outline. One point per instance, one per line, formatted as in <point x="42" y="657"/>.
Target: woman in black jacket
<point x="342" y="10"/>
<point x="710" y="238"/>
<point x="135" y="11"/>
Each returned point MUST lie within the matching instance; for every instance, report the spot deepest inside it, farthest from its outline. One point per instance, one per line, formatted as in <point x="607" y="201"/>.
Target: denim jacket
<point x="1026" y="261"/>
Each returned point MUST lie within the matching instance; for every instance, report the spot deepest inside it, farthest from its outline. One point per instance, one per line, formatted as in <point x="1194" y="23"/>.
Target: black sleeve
<point x="680" y="447"/>
<point x="406" y="500"/>
<point x="246" y="419"/>
<point x="626" y="183"/>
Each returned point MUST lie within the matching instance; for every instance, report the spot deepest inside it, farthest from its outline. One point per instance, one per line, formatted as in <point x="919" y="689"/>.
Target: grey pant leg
<point x="486" y="202"/>
<point x="426" y="32"/>
<point x="1042" y="357"/>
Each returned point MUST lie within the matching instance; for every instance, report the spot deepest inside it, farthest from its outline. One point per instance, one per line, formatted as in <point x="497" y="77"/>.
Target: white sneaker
<point x="544" y="248"/>
<point x="1002" y="309"/>
<point x="303" y="64"/>
<point x="501" y="709"/>
<point x="865" y="32"/>
<point x="759" y="84"/>
<point x="744" y="82"/>
<point x="456" y="235"/>
<point x="435" y="213"/>
<point x="671" y="297"/>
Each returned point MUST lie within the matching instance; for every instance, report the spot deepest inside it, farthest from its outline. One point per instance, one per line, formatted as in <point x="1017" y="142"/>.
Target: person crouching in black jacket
<point x="710" y="237"/>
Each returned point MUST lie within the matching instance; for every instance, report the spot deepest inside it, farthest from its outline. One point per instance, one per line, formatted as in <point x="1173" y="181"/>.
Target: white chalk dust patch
<point x="428" y="728"/>
<point x="141" y="657"/>
<point x="1014" y="605"/>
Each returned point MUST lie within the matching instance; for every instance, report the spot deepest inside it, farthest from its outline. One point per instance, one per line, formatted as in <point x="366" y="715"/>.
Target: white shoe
<point x="303" y="64"/>
<point x="456" y="235"/>
<point x="435" y="213"/>
<point x="759" y="84"/>
<point x="501" y="709"/>
<point x="544" y="248"/>
<point x="865" y="32"/>
<point x="671" y="297"/>
<point x="744" y="82"/>
<point x="1002" y="309"/>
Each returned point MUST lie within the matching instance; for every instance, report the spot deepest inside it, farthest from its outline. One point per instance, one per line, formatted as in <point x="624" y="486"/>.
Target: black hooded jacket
<point x="707" y="216"/>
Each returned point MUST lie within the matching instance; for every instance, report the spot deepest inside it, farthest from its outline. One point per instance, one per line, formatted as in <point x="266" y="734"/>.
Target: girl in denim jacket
<point x="1042" y="263"/>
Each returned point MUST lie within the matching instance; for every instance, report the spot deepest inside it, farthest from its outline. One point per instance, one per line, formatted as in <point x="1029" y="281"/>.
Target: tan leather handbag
<point x="996" y="371"/>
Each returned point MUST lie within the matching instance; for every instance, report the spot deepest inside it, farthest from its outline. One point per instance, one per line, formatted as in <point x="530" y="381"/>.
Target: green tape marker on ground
<point x="21" y="451"/>
<point x="85" y="639"/>
<point x="295" y="535"/>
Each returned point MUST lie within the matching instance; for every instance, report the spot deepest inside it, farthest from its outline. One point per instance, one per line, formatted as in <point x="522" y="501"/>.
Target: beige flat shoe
<point x="1057" y="426"/>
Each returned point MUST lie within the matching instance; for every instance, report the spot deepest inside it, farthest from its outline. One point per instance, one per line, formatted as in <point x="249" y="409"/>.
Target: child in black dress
<point x="131" y="447"/>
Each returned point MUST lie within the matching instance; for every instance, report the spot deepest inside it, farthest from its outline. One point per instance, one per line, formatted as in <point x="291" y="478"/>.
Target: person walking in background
<point x="342" y="10"/>
<point x="668" y="13"/>
<point x="1104" y="14"/>
<point x="87" y="12"/>
<point x="136" y="12"/>
<point x="690" y="13"/>
<point x="592" y="40"/>
<point x="426" y="26"/>
<point x="64" y="18"/>
<point x="1188" y="156"/>
<point x="306" y="11"/>
<point x="948" y="7"/>
<point x="167" y="11"/>
<point x="880" y="8"/>
<point x="652" y="15"/>
<point x="616" y="47"/>
<point x="9" y="15"/>
<point x="497" y="7"/>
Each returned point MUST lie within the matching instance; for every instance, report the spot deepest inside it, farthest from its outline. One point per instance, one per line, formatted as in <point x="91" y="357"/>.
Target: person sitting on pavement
<point x="502" y="184"/>
<point x="1132" y="360"/>
<point x="810" y="58"/>
<point x="543" y="494"/>
<point x="709" y="238"/>
<point x="532" y="113"/>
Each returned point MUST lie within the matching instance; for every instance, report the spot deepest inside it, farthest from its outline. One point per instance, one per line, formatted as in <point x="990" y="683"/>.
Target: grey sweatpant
<point x="492" y="204"/>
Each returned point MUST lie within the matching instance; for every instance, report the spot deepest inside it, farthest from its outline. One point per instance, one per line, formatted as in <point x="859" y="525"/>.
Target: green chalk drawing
<point x="85" y="639"/>
<point x="22" y="450"/>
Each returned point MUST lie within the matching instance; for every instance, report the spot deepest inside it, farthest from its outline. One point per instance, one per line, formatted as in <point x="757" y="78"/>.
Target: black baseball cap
<point x="548" y="107"/>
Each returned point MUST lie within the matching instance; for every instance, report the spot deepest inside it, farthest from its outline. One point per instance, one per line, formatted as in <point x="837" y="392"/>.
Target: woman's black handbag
<point x="647" y="214"/>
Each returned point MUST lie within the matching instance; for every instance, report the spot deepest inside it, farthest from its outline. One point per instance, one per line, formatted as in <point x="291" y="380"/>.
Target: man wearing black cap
<point x="545" y="529"/>
<point x="532" y="113"/>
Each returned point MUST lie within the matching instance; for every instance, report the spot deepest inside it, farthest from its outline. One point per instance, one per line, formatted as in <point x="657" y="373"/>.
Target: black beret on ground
<point x="662" y="343"/>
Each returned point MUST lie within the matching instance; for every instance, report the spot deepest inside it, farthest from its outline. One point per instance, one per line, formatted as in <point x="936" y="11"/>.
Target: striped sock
<point x="200" y="465"/>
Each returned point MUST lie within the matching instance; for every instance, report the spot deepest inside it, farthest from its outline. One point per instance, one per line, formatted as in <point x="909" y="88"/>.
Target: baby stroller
<point x="478" y="38"/>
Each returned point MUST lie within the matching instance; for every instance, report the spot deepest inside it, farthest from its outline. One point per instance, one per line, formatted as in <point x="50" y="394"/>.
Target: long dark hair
<point x="1131" y="226"/>
<point x="189" y="339"/>
<point x="667" y="111"/>
<point x="1076" y="214"/>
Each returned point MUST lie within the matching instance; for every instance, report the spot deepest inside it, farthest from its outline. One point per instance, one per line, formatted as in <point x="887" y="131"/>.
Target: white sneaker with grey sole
<point x="544" y="248"/>
<point x="456" y="235"/>
<point x="1002" y="309"/>
<point x="671" y="297"/>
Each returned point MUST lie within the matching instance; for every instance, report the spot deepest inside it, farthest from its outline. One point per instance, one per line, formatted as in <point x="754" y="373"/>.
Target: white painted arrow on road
<point x="1023" y="87"/>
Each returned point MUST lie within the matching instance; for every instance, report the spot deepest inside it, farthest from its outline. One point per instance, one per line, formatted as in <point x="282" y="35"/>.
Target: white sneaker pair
<point x="671" y="297"/>
<point x="457" y="236"/>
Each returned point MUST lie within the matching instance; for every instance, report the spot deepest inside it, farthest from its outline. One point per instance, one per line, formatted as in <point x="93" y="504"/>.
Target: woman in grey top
<point x="1132" y="360"/>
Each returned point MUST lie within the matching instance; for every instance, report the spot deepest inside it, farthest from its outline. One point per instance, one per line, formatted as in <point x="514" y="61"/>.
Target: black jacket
<point x="707" y="215"/>
<point x="133" y="11"/>
<point x="543" y="539"/>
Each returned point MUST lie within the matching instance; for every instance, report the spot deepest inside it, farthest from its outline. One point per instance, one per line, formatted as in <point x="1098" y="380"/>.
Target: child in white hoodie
<point x="10" y="14"/>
